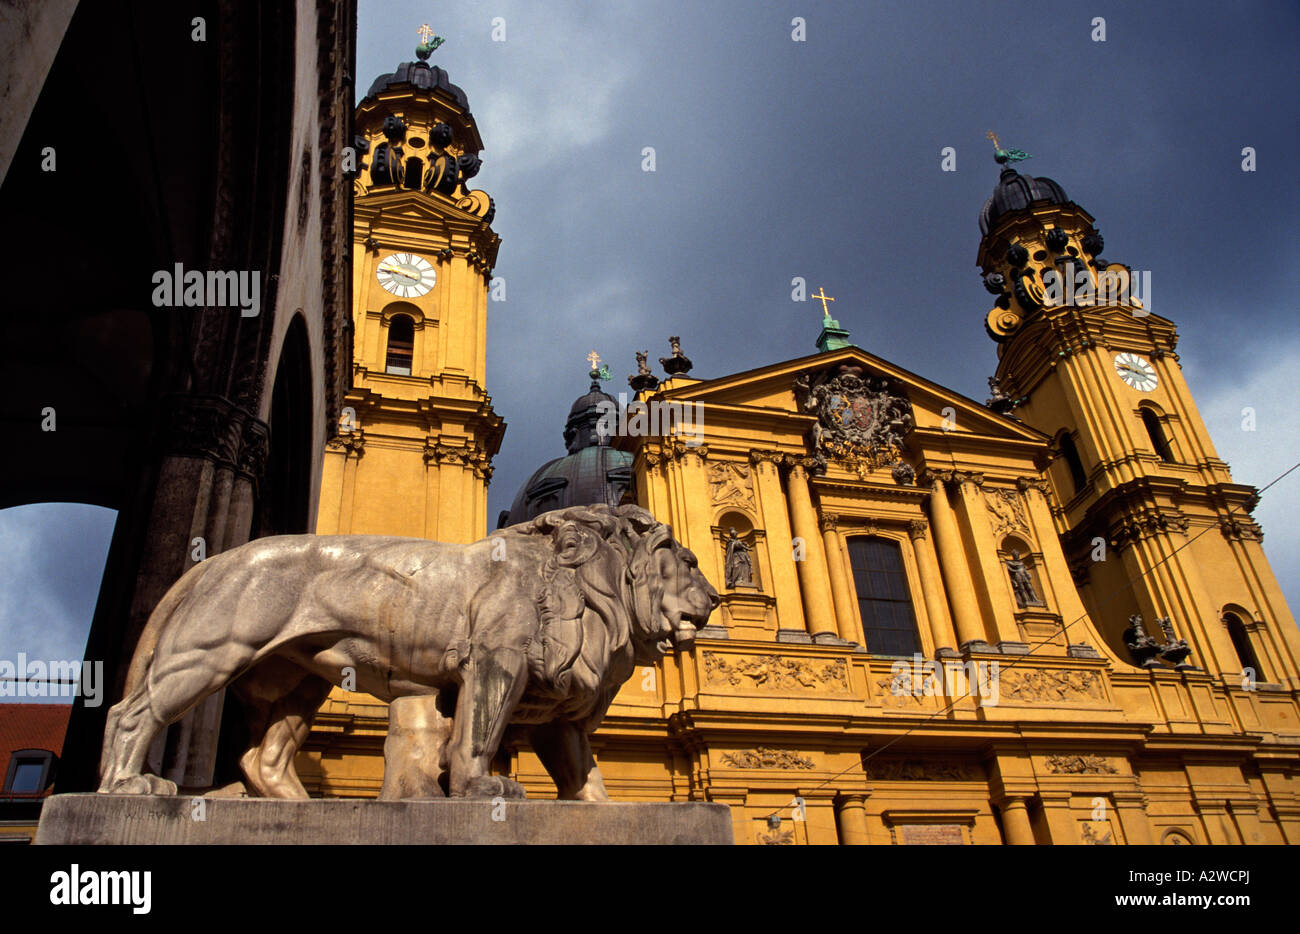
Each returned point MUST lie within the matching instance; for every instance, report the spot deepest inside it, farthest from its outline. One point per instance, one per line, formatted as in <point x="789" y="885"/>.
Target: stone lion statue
<point x="537" y="626"/>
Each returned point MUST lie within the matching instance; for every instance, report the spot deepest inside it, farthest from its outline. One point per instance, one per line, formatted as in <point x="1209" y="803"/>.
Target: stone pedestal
<point x="130" y="819"/>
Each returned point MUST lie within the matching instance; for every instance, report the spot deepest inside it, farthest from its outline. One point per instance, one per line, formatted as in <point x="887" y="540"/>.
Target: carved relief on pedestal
<point x="764" y="758"/>
<point x="730" y="484"/>
<point x="920" y="770"/>
<point x="1047" y="686"/>
<point x="1096" y="833"/>
<point x="777" y="673"/>
<point x="1080" y="765"/>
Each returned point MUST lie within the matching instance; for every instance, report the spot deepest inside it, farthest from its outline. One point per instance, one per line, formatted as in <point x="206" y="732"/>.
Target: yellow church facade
<point x="1045" y="619"/>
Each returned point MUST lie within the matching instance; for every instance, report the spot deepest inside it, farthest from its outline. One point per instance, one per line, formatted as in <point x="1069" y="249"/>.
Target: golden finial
<point x="425" y="32"/>
<point x="822" y="297"/>
<point x="993" y="136"/>
<point x="593" y="358"/>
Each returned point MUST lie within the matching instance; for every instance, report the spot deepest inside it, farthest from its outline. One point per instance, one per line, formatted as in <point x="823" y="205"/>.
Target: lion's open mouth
<point x="678" y="629"/>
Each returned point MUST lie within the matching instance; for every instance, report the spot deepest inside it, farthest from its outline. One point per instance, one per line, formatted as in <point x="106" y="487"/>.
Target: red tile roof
<point x="31" y="726"/>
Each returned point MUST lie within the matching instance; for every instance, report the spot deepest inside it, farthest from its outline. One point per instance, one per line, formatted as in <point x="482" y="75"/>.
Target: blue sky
<point x="821" y="159"/>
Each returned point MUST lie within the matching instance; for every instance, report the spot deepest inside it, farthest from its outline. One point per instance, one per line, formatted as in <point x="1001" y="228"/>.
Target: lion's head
<point x="617" y="581"/>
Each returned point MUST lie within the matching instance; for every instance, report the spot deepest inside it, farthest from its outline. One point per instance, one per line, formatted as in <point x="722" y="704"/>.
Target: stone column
<point x="952" y="560"/>
<point x="354" y="446"/>
<point x="814" y="575"/>
<point x="1055" y="572"/>
<point x="936" y="610"/>
<point x="992" y="584"/>
<point x="1015" y="821"/>
<point x="851" y="819"/>
<point x="432" y="489"/>
<point x="1130" y="808"/>
<point x="846" y="613"/>
<point x="695" y="491"/>
<point x="771" y="502"/>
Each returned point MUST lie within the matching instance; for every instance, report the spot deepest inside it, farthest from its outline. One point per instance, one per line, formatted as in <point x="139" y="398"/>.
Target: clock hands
<point x="400" y="272"/>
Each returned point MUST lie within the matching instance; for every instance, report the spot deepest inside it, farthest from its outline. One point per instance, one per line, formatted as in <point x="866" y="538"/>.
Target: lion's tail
<point x="158" y="620"/>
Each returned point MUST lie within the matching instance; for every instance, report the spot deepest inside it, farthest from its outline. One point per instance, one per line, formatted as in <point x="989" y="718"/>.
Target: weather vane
<point x="1003" y="156"/>
<point x="428" y="41"/>
<point x="822" y="297"/>
<point x="597" y="372"/>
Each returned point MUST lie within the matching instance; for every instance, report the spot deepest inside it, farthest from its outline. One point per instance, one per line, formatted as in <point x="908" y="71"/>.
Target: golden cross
<point x="593" y="358"/>
<point x="824" y="298"/>
<point x="425" y="32"/>
<point x="993" y="136"/>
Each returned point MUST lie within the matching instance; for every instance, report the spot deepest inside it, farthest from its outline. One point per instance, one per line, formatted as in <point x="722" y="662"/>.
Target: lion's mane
<point x="587" y="627"/>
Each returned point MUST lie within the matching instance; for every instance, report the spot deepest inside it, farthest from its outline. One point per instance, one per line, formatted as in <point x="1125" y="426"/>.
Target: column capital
<point x="1025" y="484"/>
<point x="348" y="442"/>
<point x="916" y="528"/>
<point x="931" y="477"/>
<point x="973" y="477"/>
<point x="437" y="453"/>
<point x="829" y="522"/>
<point x="800" y="465"/>
<point x="679" y="450"/>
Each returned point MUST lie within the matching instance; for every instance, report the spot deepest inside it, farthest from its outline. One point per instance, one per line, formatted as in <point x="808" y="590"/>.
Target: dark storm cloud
<point x="821" y="159"/>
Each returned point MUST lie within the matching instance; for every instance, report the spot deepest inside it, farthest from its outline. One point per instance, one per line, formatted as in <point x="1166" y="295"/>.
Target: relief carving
<point x="1006" y="511"/>
<point x="731" y="484"/>
<point x="920" y="770"/>
<point x="890" y="694"/>
<point x="764" y="758"/>
<point x="777" y="673"/>
<point x="1051" y="686"/>
<point x="861" y="419"/>
<point x="1080" y="765"/>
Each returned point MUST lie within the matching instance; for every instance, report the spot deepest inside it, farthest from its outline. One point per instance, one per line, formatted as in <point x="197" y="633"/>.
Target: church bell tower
<point x="413" y="454"/>
<point x="1151" y="520"/>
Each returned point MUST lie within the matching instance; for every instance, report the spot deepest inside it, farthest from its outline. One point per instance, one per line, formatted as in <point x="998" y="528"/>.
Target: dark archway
<point x="283" y="497"/>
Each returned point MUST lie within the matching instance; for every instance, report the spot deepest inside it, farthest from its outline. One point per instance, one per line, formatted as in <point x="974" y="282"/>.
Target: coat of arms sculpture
<point x="861" y="419"/>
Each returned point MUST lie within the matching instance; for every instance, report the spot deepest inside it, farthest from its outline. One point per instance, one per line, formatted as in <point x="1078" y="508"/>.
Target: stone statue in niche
<point x="1022" y="582"/>
<point x="536" y="626"/>
<point x="739" y="566"/>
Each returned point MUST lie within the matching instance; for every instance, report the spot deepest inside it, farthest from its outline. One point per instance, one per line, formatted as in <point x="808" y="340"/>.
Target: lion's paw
<point x="494" y="786"/>
<point x="143" y="785"/>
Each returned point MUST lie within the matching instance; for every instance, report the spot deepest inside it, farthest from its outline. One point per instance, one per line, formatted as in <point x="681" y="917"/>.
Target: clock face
<point x="1135" y="371"/>
<point x="406" y="274"/>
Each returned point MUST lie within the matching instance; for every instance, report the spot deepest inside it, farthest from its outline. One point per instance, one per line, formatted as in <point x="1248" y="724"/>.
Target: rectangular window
<point x="884" y="601"/>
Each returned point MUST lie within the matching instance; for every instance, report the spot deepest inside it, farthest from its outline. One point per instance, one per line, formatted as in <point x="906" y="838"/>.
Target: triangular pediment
<point x="769" y="392"/>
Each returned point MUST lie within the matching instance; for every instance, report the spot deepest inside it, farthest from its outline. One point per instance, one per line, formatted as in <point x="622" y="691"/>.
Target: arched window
<point x="1078" y="475"/>
<point x="401" y="345"/>
<point x="1241" y="642"/>
<point x="884" y="601"/>
<point x="414" y="173"/>
<point x="1156" y="432"/>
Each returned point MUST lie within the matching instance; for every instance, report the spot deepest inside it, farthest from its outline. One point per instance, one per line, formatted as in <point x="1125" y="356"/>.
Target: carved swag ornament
<point x="861" y="419"/>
